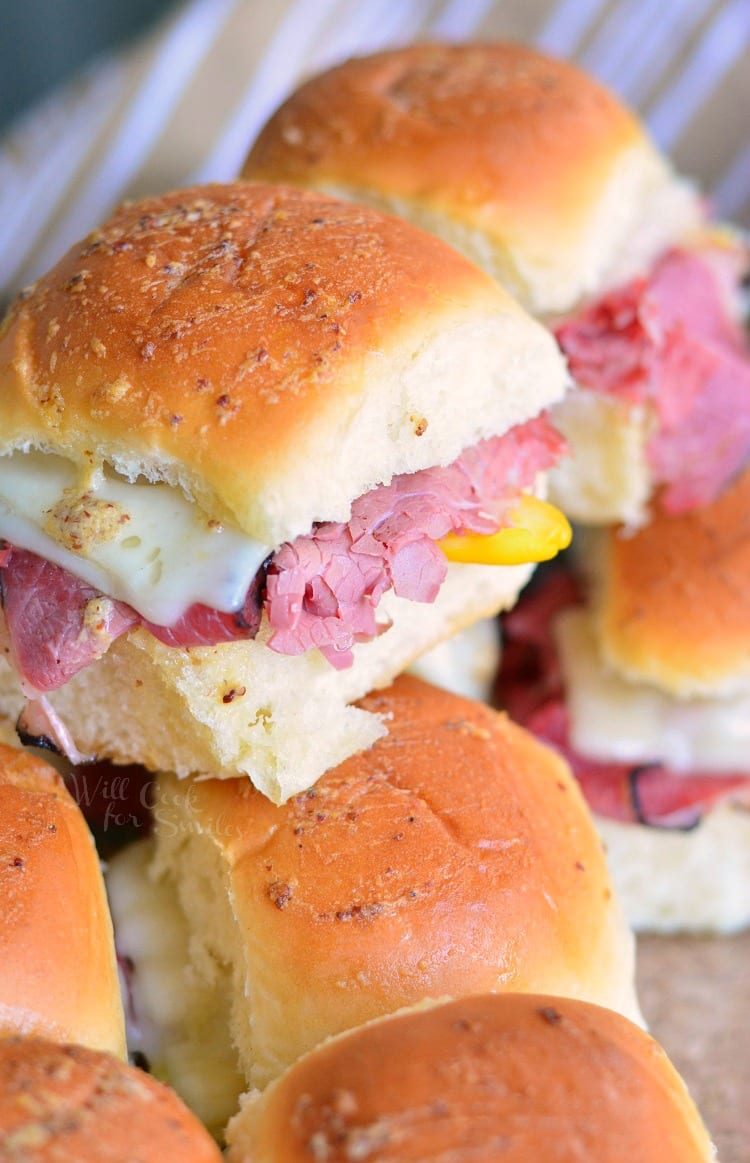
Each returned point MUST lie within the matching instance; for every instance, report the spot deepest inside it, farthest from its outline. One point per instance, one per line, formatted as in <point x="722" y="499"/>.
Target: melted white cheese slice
<point x="466" y="663"/>
<point x="164" y="555"/>
<point x="614" y="719"/>
<point x="178" y="1019"/>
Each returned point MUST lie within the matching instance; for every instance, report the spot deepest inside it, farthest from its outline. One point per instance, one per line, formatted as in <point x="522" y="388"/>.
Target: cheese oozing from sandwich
<point x="612" y="718"/>
<point x="147" y="544"/>
<point x="142" y="543"/>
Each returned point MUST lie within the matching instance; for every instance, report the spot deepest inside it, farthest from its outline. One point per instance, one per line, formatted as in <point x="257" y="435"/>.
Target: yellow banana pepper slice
<point x="538" y="532"/>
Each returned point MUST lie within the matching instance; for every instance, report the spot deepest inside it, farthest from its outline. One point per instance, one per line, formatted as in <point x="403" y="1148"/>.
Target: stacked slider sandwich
<point x="241" y="427"/>
<point x="341" y="404"/>
<point x="65" y="1093"/>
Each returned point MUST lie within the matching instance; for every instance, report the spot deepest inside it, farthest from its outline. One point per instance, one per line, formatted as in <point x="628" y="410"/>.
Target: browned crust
<point x="509" y="1077"/>
<point x="456" y="855"/>
<point x="494" y="135"/>
<point x="58" y="975"/>
<point x="674" y="604"/>
<point x="217" y="328"/>
<point x="62" y="1103"/>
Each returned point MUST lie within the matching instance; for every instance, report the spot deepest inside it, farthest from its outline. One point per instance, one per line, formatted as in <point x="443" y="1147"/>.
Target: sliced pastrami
<point x="530" y="688"/>
<point x="645" y="793"/>
<point x="57" y="624"/>
<point x="321" y="590"/>
<point x="39" y="725"/>
<point x="203" y="626"/>
<point x="670" y="340"/>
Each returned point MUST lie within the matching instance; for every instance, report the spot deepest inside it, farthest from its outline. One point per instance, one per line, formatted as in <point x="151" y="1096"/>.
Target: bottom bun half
<point x="241" y="709"/>
<point x="675" y="882"/>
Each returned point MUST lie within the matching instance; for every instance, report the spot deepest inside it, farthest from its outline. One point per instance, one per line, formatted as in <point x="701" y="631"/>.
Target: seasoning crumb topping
<point x="279" y="894"/>
<point x="233" y="693"/>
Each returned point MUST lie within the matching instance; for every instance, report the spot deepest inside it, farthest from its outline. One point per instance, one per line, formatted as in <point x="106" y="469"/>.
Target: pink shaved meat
<point x="670" y="340"/>
<point x="57" y="623"/>
<point x="530" y="687"/>
<point x="321" y="590"/>
<point x="203" y="626"/>
<point x="648" y="793"/>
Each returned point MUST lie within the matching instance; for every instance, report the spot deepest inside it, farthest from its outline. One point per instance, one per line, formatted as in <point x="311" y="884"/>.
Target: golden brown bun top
<point x="487" y="138"/>
<point x="673" y="600"/>
<point x="456" y="855"/>
<point x="514" y="1078"/>
<point x="68" y="1104"/>
<point x="58" y="975"/>
<point x="485" y="123"/>
<point x="227" y="338"/>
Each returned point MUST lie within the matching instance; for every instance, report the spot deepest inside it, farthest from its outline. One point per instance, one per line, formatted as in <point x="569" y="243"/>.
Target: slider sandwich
<point x="71" y="1104"/>
<point x="455" y="856"/>
<point x="58" y="974"/>
<point x="639" y="673"/>
<point x="539" y="175"/>
<point x="251" y="437"/>
<point x="515" y="1078"/>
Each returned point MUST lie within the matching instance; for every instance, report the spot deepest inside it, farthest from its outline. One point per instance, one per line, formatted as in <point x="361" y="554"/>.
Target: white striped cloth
<point x="184" y="104"/>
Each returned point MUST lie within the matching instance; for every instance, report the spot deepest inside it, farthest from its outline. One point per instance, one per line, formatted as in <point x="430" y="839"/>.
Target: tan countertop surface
<point x="695" y="994"/>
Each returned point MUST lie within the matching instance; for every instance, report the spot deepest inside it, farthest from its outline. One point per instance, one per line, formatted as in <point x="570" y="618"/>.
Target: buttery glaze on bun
<point x="273" y="351"/>
<point x="272" y="354"/>
<point x="456" y="856"/>
<point x="70" y="1104"/>
<point x="521" y="161"/>
<point x="672" y="601"/>
<point x="514" y="1078"/>
<point x="58" y="975"/>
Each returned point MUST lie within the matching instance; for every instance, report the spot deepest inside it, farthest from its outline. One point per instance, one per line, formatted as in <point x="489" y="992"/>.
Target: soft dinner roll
<point x="58" y="975"/>
<point x="523" y="162"/>
<point x="515" y="1078"/>
<point x="69" y="1104"/>
<point x="193" y="389"/>
<point x="540" y="175"/>
<point x="455" y="856"/>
